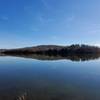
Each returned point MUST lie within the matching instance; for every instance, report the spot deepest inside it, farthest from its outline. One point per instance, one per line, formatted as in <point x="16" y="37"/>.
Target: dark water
<point x="30" y="79"/>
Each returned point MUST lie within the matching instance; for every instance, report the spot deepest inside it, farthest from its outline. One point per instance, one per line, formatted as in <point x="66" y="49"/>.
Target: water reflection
<point x="73" y="57"/>
<point x="29" y="79"/>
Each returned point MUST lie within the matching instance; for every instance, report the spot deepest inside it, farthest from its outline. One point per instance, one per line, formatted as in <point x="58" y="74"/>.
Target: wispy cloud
<point x="34" y="29"/>
<point x="45" y="4"/>
<point x="4" y="18"/>
<point x="93" y="31"/>
<point x="40" y="19"/>
<point x="44" y="19"/>
<point x="28" y="9"/>
<point x="54" y="37"/>
<point x="67" y="21"/>
<point x="93" y="28"/>
<point x="71" y="18"/>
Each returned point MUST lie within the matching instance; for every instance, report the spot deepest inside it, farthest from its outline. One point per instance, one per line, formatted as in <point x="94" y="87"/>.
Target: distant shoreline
<point x="50" y="52"/>
<point x="54" y="50"/>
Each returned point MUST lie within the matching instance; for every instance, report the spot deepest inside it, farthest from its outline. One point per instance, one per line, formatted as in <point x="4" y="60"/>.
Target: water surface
<point x="31" y="79"/>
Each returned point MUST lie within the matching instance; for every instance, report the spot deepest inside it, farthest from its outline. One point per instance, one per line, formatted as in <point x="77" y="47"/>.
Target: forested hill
<point x="54" y="50"/>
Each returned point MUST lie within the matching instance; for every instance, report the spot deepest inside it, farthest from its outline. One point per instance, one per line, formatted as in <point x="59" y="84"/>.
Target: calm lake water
<point x="30" y="79"/>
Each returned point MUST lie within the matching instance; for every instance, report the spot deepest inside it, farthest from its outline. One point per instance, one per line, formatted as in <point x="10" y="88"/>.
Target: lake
<point x="62" y="79"/>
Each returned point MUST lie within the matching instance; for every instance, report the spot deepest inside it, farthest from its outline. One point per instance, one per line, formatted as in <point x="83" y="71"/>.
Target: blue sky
<point x="63" y="22"/>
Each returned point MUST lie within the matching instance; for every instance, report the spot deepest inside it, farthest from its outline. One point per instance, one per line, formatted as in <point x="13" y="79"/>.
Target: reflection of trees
<point x="73" y="57"/>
